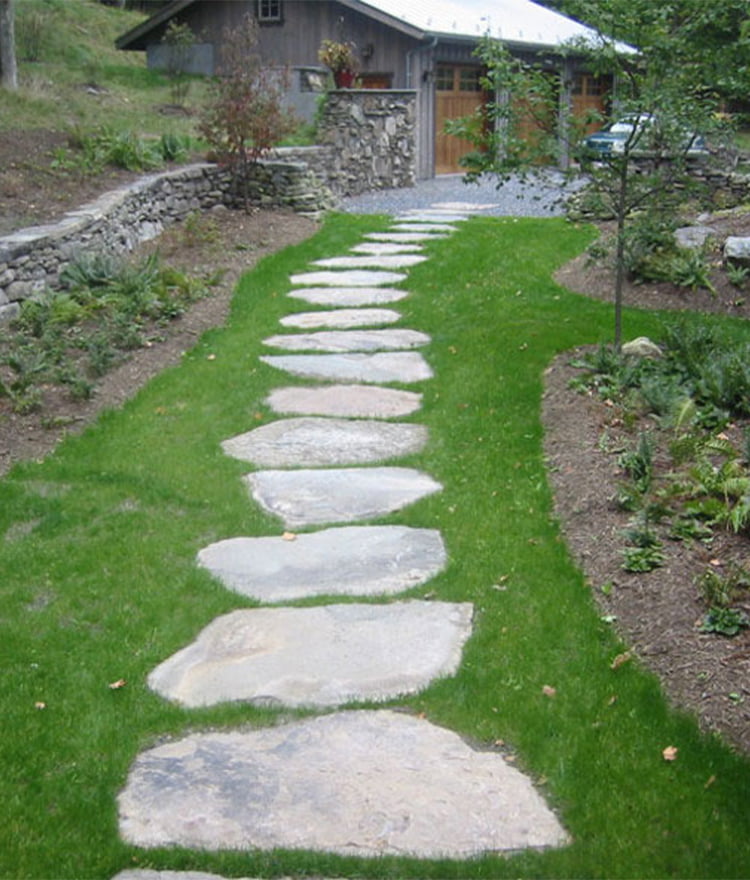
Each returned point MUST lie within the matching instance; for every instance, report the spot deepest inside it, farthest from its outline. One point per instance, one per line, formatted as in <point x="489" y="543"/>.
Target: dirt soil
<point x="656" y="614"/>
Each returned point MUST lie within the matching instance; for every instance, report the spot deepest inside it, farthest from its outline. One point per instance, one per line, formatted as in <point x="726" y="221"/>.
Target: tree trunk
<point x="8" y="70"/>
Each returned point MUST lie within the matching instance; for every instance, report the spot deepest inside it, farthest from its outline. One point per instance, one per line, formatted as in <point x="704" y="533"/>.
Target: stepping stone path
<point x="364" y="782"/>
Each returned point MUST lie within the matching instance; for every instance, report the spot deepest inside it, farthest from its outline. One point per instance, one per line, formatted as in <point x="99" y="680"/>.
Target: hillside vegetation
<point x="71" y="76"/>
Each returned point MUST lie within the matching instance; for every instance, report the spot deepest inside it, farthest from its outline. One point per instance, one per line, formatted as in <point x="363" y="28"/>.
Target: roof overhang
<point x="134" y="38"/>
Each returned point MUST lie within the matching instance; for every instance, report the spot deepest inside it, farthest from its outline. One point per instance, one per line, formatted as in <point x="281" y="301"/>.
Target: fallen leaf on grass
<point x="549" y="691"/>
<point x="710" y="781"/>
<point x="40" y="705"/>
<point x="670" y="753"/>
<point x="116" y="685"/>
<point x="621" y="659"/>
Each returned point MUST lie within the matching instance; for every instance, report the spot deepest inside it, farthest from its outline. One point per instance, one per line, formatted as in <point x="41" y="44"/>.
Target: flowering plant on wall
<point x="340" y="59"/>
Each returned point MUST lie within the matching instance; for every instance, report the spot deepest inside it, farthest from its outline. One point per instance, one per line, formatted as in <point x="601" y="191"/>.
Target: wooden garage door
<point x="590" y="93"/>
<point x="458" y="93"/>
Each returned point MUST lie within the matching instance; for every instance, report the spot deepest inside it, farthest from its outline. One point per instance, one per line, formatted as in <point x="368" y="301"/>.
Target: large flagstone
<point x="414" y="226"/>
<point x="321" y="442"/>
<point x="372" y="261"/>
<point x="383" y="367"/>
<point x="349" y="296"/>
<point x="431" y="216"/>
<point x="364" y="783"/>
<point x="348" y="278"/>
<point x="333" y="341"/>
<point x="322" y="656"/>
<point x="337" y="495"/>
<point x="345" y="561"/>
<point x="386" y="247"/>
<point x="341" y="318"/>
<point x="349" y="401"/>
<point x="462" y="207"/>
<point x="407" y="237"/>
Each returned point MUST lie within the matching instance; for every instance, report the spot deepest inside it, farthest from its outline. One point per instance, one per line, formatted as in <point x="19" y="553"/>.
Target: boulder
<point x="737" y="250"/>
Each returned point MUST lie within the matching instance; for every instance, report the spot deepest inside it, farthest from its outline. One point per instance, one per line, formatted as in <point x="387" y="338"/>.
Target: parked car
<point x="635" y="130"/>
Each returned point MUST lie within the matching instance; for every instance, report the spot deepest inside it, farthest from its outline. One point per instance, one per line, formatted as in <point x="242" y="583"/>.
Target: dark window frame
<point x="269" y="11"/>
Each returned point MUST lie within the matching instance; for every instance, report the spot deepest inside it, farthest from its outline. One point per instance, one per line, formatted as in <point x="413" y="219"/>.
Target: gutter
<point x="412" y="52"/>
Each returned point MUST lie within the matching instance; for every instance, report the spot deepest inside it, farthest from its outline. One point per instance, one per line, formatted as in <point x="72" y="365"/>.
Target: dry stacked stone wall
<point x="368" y="142"/>
<point x="32" y="259"/>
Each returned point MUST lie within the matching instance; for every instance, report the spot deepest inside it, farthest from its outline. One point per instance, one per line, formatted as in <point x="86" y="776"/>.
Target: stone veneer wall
<point x="372" y="136"/>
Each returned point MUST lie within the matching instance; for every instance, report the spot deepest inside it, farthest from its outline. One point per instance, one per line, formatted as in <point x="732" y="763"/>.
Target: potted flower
<point x="340" y="59"/>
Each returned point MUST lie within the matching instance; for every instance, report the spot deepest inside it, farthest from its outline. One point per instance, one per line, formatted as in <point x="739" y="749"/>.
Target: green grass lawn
<point x="99" y="584"/>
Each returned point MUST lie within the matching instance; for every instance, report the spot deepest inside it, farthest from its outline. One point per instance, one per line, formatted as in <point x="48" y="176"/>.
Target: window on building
<point x="469" y="80"/>
<point x="444" y="79"/>
<point x="269" y="11"/>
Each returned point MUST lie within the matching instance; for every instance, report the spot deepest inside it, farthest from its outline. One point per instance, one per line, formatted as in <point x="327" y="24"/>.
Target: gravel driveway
<point x="541" y="195"/>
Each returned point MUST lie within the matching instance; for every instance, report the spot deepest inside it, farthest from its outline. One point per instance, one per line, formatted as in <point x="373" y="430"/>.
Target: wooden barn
<point x="423" y="45"/>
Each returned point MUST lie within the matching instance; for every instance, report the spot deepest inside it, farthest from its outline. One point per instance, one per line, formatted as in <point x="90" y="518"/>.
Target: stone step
<point x="364" y="783"/>
<point x="349" y="296"/>
<point x="431" y="216"/>
<point x="323" y="656"/>
<point x="337" y="495"/>
<point x="428" y="227"/>
<point x="350" y="401"/>
<point x="321" y="442"/>
<point x="341" y="318"/>
<point x="334" y="341"/>
<point x="381" y="368"/>
<point x="463" y="207"/>
<point x="428" y="234"/>
<point x="372" y="261"/>
<point x="345" y="561"/>
<point x="384" y="247"/>
<point x="347" y="278"/>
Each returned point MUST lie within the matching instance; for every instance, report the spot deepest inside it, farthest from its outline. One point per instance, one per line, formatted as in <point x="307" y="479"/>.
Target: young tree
<point x="8" y="69"/>
<point x="245" y="116"/>
<point x="178" y="40"/>
<point x="661" y="86"/>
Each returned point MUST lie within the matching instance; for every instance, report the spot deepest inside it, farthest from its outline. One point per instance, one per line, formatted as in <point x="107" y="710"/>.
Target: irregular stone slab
<point x="341" y="318"/>
<point x="355" y="783"/>
<point x="345" y="561"/>
<point x="386" y="247"/>
<point x="429" y="216"/>
<point x="331" y="495"/>
<point x="149" y="874"/>
<point x="351" y="401"/>
<point x="316" y="442"/>
<point x="462" y="207"/>
<point x="424" y="227"/>
<point x="349" y="296"/>
<point x="372" y="261"/>
<point x="406" y="237"/>
<point x="348" y="278"/>
<point x="334" y="341"/>
<point x="381" y="368"/>
<point x="324" y="656"/>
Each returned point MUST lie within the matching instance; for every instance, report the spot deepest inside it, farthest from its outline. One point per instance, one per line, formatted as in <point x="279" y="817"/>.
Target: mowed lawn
<point x="98" y="584"/>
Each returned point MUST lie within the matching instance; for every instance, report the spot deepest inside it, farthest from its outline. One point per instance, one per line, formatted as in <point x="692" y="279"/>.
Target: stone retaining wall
<point x="368" y="142"/>
<point x="32" y="259"/>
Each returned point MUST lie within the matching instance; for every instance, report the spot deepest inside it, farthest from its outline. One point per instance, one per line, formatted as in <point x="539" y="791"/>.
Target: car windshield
<point x="621" y="127"/>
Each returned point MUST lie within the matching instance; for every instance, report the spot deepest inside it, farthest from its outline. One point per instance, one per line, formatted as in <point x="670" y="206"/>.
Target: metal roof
<point x="515" y="21"/>
<point x="521" y="22"/>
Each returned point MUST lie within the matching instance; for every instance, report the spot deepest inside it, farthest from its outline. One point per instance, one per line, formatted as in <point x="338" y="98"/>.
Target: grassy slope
<point x="72" y="43"/>
<point x="99" y="584"/>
